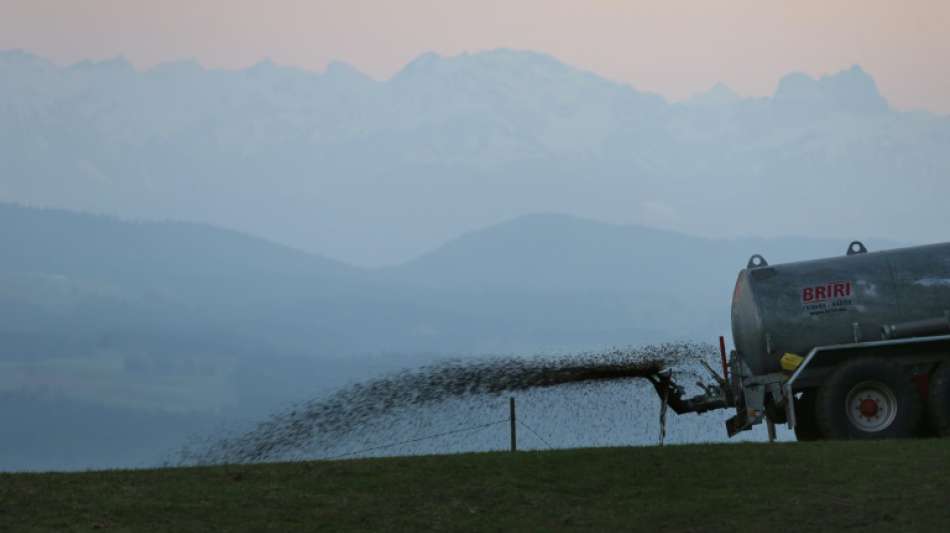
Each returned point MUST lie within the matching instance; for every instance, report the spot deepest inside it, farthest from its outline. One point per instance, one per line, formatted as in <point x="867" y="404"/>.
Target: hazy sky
<point x="673" y="47"/>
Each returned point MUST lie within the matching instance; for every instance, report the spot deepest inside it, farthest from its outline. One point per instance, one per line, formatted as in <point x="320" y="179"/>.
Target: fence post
<point x="663" y="407"/>
<point x="514" y="429"/>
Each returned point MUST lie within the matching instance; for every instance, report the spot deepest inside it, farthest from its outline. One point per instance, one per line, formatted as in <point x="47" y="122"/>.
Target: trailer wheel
<point x="806" y="429"/>
<point x="868" y="398"/>
<point x="938" y="400"/>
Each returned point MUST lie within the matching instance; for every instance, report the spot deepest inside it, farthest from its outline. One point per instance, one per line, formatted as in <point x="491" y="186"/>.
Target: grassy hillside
<point x="876" y="486"/>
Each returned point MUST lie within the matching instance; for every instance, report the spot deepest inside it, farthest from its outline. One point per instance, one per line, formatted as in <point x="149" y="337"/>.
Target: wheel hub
<point x="868" y="408"/>
<point x="871" y="406"/>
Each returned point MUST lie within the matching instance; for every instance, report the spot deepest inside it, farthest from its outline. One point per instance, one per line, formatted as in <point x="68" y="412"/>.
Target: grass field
<point x="871" y="486"/>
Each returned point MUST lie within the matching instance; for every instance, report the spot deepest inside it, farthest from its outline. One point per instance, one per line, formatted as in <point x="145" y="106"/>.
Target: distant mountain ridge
<point x="30" y="237"/>
<point x="376" y="172"/>
<point x="850" y="90"/>
<point x="545" y="252"/>
<point x="291" y="302"/>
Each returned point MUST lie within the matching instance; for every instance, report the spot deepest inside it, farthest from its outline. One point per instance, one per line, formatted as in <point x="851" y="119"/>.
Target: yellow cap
<point x="790" y="361"/>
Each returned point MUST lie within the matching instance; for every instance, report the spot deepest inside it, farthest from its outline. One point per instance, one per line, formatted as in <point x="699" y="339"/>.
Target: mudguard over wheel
<point x="868" y="398"/>
<point x="938" y="400"/>
<point x="806" y="429"/>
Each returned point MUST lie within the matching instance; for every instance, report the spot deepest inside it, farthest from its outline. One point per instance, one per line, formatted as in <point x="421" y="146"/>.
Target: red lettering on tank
<point x="838" y="291"/>
<point x="842" y="289"/>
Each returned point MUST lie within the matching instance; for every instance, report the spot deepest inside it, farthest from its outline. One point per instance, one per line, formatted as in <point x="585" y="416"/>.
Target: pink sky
<point x="673" y="47"/>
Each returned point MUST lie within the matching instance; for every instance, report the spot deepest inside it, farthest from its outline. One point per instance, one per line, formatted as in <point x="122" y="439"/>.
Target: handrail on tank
<point x="790" y="382"/>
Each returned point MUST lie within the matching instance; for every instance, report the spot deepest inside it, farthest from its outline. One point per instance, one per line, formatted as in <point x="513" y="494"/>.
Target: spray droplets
<point x="317" y="422"/>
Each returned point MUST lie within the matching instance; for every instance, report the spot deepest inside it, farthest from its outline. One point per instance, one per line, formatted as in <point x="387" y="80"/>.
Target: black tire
<point x="938" y="400"/>
<point x="806" y="429"/>
<point x="868" y="398"/>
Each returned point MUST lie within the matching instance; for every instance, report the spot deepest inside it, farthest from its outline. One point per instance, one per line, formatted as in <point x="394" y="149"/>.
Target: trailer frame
<point x="788" y="387"/>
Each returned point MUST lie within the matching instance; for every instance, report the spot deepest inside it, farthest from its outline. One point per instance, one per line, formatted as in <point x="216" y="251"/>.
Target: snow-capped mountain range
<point x="375" y="172"/>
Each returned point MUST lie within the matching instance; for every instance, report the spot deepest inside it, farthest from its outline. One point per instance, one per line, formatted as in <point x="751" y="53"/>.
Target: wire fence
<point x="536" y="434"/>
<point x="468" y="429"/>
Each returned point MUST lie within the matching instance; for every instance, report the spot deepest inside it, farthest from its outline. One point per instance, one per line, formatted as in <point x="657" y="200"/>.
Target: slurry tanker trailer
<point x="850" y="347"/>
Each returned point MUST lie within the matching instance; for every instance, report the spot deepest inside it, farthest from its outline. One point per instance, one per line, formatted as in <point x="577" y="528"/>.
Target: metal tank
<point x="858" y="297"/>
